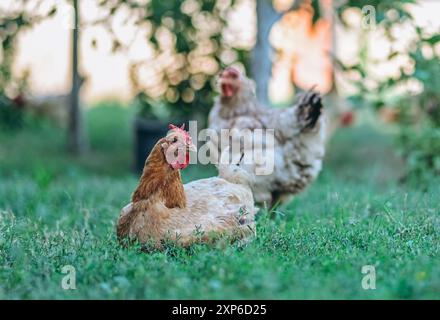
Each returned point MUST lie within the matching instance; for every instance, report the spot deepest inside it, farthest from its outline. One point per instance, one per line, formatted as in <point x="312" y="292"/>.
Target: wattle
<point x="181" y="165"/>
<point x="227" y="90"/>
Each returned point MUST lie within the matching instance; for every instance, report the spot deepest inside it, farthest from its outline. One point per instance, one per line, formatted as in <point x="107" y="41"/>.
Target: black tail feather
<point x="309" y="109"/>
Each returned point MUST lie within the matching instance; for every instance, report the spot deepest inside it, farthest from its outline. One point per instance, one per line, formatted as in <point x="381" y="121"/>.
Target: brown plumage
<point x="162" y="208"/>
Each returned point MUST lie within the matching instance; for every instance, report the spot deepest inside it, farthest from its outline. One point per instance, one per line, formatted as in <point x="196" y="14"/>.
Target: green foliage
<point x="10" y="116"/>
<point x="421" y="150"/>
<point x="146" y="107"/>
<point x="11" y="24"/>
<point x="39" y="148"/>
<point x="183" y="71"/>
<point x="371" y="91"/>
<point x="418" y="113"/>
<point x="13" y="88"/>
<point x="57" y="210"/>
<point x="388" y="12"/>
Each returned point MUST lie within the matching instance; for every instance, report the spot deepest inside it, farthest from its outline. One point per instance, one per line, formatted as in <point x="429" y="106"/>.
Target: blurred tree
<point x="22" y="16"/>
<point x="76" y="137"/>
<point x="410" y="98"/>
<point x="268" y="13"/>
<point x="186" y="38"/>
<point x="388" y="15"/>
<point x="261" y="65"/>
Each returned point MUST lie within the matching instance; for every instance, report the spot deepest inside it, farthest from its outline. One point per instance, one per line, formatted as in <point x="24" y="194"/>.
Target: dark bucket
<point x="147" y="133"/>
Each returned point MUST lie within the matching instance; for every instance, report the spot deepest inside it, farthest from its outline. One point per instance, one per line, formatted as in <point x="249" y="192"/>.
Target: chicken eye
<point x="175" y="139"/>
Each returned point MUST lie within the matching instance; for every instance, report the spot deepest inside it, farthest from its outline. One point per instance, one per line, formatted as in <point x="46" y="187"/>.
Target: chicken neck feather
<point x="243" y="103"/>
<point x="159" y="181"/>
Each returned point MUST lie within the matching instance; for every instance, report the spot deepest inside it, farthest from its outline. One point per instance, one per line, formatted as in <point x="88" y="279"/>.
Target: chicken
<point x="162" y="208"/>
<point x="299" y="135"/>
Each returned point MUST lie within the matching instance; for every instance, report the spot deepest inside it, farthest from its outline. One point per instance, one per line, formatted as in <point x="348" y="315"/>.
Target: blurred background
<point x="85" y="79"/>
<point x="86" y="86"/>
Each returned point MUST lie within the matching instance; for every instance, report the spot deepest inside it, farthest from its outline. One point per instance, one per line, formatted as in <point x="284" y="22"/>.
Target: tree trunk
<point x="261" y="56"/>
<point x="76" y="136"/>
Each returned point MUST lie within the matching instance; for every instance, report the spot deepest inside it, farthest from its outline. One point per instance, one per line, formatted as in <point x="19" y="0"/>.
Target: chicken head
<point x="176" y="146"/>
<point x="229" y="80"/>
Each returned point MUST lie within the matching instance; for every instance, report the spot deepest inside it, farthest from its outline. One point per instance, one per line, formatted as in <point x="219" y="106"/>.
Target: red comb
<point x="172" y="127"/>
<point x="232" y="70"/>
<point x="181" y="130"/>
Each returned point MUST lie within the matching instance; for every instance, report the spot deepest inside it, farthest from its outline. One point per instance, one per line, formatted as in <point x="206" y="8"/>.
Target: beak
<point x="191" y="147"/>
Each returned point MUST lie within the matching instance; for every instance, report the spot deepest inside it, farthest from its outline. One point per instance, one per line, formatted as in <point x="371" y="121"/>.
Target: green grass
<point x="58" y="210"/>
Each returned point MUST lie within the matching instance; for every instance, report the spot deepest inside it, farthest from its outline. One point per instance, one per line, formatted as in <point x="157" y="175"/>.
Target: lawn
<point x="57" y="210"/>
